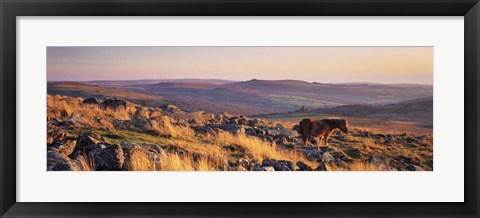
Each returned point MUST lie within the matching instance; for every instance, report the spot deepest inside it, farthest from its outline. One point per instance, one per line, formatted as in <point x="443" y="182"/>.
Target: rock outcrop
<point x="113" y="104"/>
<point x="57" y="161"/>
<point x="107" y="157"/>
<point x="66" y="147"/>
<point x="90" y="101"/>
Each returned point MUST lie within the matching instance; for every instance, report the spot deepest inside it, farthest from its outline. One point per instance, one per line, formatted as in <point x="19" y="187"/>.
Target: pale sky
<point x="311" y="64"/>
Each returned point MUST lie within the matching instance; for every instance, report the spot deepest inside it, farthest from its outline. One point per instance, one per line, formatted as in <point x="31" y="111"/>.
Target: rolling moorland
<point x="248" y="98"/>
<point x="223" y="125"/>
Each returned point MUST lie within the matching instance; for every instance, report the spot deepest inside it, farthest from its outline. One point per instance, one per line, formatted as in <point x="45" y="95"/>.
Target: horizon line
<point x="352" y="82"/>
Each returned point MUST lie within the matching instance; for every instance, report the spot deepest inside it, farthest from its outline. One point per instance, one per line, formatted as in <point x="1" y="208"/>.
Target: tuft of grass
<point x="364" y="166"/>
<point x="85" y="162"/>
<point x="176" y="162"/>
<point x="164" y="127"/>
<point x="65" y="108"/>
<point x="370" y="146"/>
<point x="258" y="149"/>
<point x="138" y="160"/>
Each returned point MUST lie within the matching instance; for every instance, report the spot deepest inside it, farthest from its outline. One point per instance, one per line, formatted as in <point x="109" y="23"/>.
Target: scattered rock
<point x="280" y="131"/>
<point x="341" y="163"/>
<point x="57" y="161"/>
<point x="411" y="140"/>
<point x="284" y="165"/>
<point x="401" y="161"/>
<point x="54" y="134"/>
<point x="232" y="128"/>
<point x="261" y="132"/>
<point x="268" y="162"/>
<point x="312" y="153"/>
<point x="269" y="168"/>
<point x="375" y="159"/>
<point x="244" y="163"/>
<point x="239" y="168"/>
<point x="321" y="167"/>
<point x="327" y="157"/>
<point x="281" y="165"/>
<point x="114" y="104"/>
<point x="378" y="161"/>
<point x="242" y="121"/>
<point x="411" y="167"/>
<point x="175" y="113"/>
<point x="86" y="139"/>
<point x="141" y="158"/>
<point x="157" y="112"/>
<point x="68" y="123"/>
<point x="66" y="147"/>
<point x="251" y="131"/>
<point x="140" y="119"/>
<point x="90" y="101"/>
<point x="206" y="130"/>
<point x="106" y="157"/>
<point x="254" y="166"/>
<point x="303" y="167"/>
<point x="389" y="139"/>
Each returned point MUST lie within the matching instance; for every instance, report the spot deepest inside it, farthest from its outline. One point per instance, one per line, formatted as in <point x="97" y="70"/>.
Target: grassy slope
<point x="76" y="89"/>
<point x="414" y="116"/>
<point x="224" y="146"/>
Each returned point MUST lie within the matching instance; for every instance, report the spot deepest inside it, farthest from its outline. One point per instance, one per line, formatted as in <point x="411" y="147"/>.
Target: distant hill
<point x="388" y="84"/>
<point x="340" y="93"/>
<point x="150" y="82"/>
<point x="416" y="110"/>
<point x="246" y="97"/>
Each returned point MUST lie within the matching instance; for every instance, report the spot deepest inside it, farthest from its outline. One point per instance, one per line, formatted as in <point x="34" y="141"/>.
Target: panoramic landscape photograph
<point x="207" y="108"/>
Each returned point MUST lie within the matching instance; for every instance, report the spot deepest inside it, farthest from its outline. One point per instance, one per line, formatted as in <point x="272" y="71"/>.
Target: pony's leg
<point x="319" y="142"/>
<point x="305" y="140"/>
<point x="327" y="137"/>
<point x="320" y="138"/>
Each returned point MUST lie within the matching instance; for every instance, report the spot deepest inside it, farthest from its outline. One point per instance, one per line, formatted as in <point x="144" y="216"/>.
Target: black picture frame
<point x="10" y="9"/>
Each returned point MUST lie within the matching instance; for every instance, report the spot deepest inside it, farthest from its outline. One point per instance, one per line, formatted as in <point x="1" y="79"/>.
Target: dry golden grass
<point x="169" y="162"/>
<point x="175" y="162"/>
<point x="204" y="165"/>
<point x="212" y="147"/>
<point x="258" y="149"/>
<point x="370" y="146"/>
<point x="207" y="160"/>
<point x="138" y="160"/>
<point x="364" y="166"/>
<point x="85" y="162"/>
<point x="72" y="108"/>
<point x="163" y="127"/>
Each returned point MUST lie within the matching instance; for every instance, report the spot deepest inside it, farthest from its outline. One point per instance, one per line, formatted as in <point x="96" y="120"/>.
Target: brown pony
<point x="320" y="128"/>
